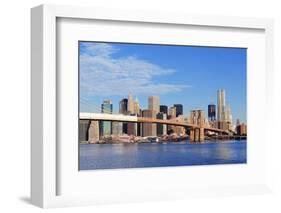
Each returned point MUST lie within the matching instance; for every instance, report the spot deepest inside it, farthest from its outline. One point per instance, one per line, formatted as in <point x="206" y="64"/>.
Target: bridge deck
<point x="135" y="119"/>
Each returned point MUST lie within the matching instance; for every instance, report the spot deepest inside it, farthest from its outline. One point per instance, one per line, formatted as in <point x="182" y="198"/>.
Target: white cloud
<point x="98" y="49"/>
<point x="103" y="75"/>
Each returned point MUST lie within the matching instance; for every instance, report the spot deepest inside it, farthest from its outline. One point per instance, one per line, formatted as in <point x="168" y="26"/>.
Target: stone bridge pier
<point x="197" y="135"/>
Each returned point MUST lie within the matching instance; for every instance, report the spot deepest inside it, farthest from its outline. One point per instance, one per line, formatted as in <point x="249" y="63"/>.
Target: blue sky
<point x="189" y="75"/>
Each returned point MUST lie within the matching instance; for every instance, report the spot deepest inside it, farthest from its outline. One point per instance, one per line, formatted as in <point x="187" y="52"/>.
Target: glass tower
<point x="221" y="105"/>
<point x="106" y="107"/>
<point x="212" y="112"/>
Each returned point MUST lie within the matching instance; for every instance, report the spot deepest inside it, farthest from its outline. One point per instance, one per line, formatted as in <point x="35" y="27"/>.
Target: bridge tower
<point x="191" y="135"/>
<point x="201" y="135"/>
<point x="197" y="134"/>
<point x="93" y="132"/>
<point x="201" y="124"/>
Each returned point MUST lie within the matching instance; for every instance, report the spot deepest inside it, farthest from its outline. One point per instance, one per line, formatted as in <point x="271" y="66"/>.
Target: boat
<point x="153" y="139"/>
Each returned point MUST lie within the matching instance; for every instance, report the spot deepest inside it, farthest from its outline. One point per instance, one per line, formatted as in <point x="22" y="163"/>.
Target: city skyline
<point x="219" y="112"/>
<point x="159" y="121"/>
<point x="157" y="77"/>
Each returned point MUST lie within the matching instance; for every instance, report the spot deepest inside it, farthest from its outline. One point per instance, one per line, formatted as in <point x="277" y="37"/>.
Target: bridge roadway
<point x="135" y="119"/>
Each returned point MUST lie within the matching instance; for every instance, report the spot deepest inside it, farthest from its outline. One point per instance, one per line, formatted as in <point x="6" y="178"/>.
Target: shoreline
<point x="170" y="142"/>
<point x="173" y="138"/>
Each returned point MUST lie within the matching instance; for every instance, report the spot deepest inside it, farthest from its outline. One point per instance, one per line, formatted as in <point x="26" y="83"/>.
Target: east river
<point x="116" y="156"/>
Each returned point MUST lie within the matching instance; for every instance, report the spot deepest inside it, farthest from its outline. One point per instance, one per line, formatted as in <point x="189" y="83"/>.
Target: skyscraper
<point x="130" y="104"/>
<point x="221" y="105"/>
<point x="164" y="109"/>
<point x="123" y="109"/>
<point x="123" y="106"/>
<point x="117" y="128"/>
<point x="172" y="115"/>
<point x="148" y="129"/>
<point x="106" y="107"/>
<point x="131" y="128"/>
<point x="154" y="107"/>
<point x="237" y="122"/>
<point x="241" y="129"/>
<point x="212" y="112"/>
<point x="154" y="104"/>
<point x="137" y="108"/>
<point x="179" y="109"/>
<point x="134" y="128"/>
<point x="228" y="115"/>
<point x="172" y="112"/>
<point x="161" y="128"/>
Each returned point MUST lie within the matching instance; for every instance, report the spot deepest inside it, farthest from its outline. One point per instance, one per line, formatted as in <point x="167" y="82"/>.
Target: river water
<point x="116" y="156"/>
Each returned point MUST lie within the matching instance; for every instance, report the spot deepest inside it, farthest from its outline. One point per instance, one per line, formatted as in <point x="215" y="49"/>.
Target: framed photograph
<point x="164" y="123"/>
<point x="129" y="106"/>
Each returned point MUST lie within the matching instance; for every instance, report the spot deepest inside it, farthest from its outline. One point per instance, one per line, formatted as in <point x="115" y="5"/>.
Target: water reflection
<point x="111" y="156"/>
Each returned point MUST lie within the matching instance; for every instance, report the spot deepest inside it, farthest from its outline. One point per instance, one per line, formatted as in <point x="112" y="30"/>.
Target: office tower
<point x="179" y="109"/>
<point x="123" y="106"/>
<point x="172" y="115"/>
<point x="83" y="130"/>
<point x="164" y="109"/>
<point x="131" y="128"/>
<point x="241" y="129"/>
<point x="93" y="132"/>
<point x="137" y="108"/>
<point x="148" y="129"/>
<point x="106" y="107"/>
<point x="237" y="122"/>
<point x="172" y="112"/>
<point x="117" y="128"/>
<point x="130" y="104"/>
<point x="154" y="104"/>
<point x="222" y="125"/>
<point x="221" y="105"/>
<point x="228" y="115"/>
<point x="161" y="128"/>
<point x="125" y="128"/>
<point x="212" y="112"/>
<point x="123" y="109"/>
<point x="139" y="129"/>
<point x="154" y="107"/>
<point x="134" y="128"/>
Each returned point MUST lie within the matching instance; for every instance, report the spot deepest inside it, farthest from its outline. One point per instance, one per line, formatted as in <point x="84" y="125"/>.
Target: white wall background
<point x="15" y="103"/>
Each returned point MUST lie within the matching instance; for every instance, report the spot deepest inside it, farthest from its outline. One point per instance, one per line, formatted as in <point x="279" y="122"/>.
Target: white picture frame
<point x="45" y="166"/>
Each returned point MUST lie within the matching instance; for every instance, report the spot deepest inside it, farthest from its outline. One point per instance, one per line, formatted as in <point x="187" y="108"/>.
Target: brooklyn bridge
<point x="196" y="130"/>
